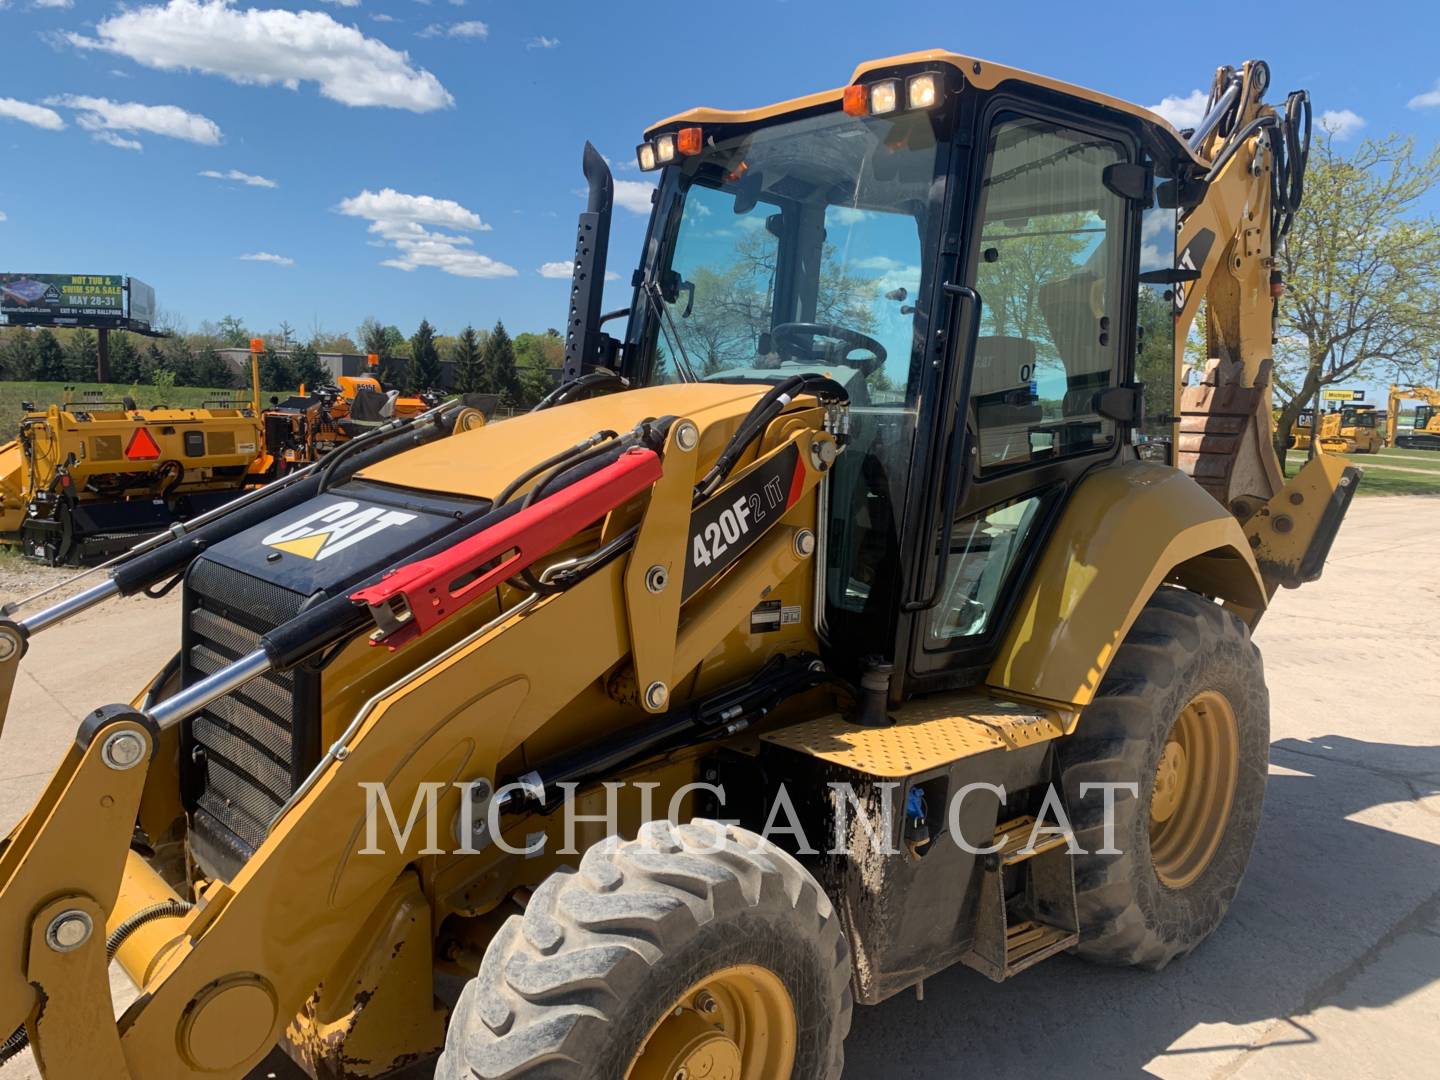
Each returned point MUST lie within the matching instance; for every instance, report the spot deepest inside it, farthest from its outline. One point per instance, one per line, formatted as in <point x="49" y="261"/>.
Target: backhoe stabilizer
<point x="1292" y="533"/>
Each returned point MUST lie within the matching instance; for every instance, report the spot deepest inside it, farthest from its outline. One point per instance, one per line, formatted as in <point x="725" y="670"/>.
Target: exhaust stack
<point x="585" y="344"/>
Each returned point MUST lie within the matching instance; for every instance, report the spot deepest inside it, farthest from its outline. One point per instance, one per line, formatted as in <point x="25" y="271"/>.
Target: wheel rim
<point x="737" y="1024"/>
<point x="1194" y="788"/>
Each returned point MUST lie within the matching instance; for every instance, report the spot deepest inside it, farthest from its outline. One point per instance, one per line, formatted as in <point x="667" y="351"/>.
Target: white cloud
<point x="117" y="141"/>
<point x="269" y="47"/>
<point x="98" y="114"/>
<point x="344" y="3"/>
<point x="267" y="257"/>
<point x="399" y="221"/>
<point x="1341" y="123"/>
<point x="471" y="29"/>
<point x="35" y="115"/>
<point x="52" y="3"/>
<point x="382" y="17"/>
<point x="1184" y="112"/>
<point x="556" y="270"/>
<point x="240" y="178"/>
<point x="633" y="195"/>
<point x="542" y="42"/>
<point x="849" y="215"/>
<point x="1428" y="100"/>
<point x="391" y="206"/>
<point x="2" y="215"/>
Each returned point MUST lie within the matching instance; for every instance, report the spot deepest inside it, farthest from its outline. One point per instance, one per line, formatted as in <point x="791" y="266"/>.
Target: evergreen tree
<point x="49" y="357"/>
<point x="277" y="374"/>
<point x="423" y="372"/>
<point x="17" y="355"/>
<point x="151" y="361"/>
<point x="179" y="361"/>
<point x="82" y="356"/>
<point x="212" y="371"/>
<point x="468" y="376"/>
<point x="124" y="360"/>
<point x="309" y="370"/>
<point x="500" y="373"/>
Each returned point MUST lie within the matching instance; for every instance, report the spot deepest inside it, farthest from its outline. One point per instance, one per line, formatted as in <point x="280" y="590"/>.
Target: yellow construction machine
<point x="306" y="426"/>
<point x="88" y="478"/>
<point x="822" y="631"/>
<point x="1354" y="429"/>
<point x="1424" y="433"/>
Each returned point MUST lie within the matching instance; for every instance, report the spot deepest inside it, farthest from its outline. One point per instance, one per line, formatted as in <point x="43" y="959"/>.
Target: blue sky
<point x="171" y="138"/>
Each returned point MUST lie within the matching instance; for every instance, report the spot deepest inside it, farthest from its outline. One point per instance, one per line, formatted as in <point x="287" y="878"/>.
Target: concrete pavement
<point x="1329" y="963"/>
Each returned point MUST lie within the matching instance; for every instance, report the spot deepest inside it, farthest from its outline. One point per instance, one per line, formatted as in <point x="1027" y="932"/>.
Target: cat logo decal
<point x="331" y="529"/>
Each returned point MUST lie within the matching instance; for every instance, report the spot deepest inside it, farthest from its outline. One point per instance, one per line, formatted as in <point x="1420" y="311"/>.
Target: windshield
<point x="810" y="246"/>
<point x="797" y="247"/>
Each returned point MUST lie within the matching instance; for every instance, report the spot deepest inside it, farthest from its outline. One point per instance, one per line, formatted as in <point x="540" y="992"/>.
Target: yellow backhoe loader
<point x="822" y="631"/>
<point x="1424" y="433"/>
<point x="87" y="479"/>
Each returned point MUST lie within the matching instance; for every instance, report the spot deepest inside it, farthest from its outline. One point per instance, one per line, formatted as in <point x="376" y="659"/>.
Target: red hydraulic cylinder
<point x="412" y="600"/>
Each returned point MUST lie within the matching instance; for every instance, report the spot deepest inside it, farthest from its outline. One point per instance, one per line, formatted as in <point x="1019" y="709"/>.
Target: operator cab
<point x="962" y="255"/>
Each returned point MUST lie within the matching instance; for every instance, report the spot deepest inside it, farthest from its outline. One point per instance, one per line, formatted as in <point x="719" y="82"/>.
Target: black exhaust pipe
<point x="586" y="347"/>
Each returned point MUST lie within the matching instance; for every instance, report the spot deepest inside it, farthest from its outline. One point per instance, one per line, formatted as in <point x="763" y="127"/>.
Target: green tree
<point x="233" y="333"/>
<point x="537" y="356"/>
<point x="468" y="374"/>
<point x="389" y="345"/>
<point x="423" y="372"/>
<point x="1362" y="263"/>
<point x="151" y="361"/>
<point x="82" y="356"/>
<point x="124" y="359"/>
<point x="211" y="370"/>
<point x="308" y="368"/>
<point x="17" y="354"/>
<point x="179" y="361"/>
<point x="277" y="374"/>
<point x="49" y="357"/>
<point x="498" y="364"/>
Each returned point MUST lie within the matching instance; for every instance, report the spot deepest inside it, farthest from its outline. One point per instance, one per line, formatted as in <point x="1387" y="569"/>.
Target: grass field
<point x="1391" y="472"/>
<point x="43" y="394"/>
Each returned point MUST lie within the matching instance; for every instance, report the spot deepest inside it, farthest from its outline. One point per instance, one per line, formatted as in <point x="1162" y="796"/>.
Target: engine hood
<point x="478" y="464"/>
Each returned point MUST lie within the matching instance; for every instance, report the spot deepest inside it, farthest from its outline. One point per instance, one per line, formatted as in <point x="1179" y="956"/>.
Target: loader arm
<point x="212" y="1002"/>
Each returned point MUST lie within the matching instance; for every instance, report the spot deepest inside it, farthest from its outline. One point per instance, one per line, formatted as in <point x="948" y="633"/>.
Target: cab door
<point x="1052" y="254"/>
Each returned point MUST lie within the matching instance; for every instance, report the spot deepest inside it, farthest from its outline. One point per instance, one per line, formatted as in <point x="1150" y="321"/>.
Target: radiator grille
<point x="246" y="750"/>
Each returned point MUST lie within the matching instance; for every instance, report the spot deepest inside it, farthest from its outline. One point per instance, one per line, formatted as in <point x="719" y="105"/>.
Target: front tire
<point x="698" y="949"/>
<point x="1184" y="713"/>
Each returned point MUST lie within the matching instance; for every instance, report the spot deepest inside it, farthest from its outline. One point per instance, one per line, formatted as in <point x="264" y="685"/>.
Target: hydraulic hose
<point x="758" y="419"/>
<point x="165" y="909"/>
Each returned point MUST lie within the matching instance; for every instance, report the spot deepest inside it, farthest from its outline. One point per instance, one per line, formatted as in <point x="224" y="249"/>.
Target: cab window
<point x="1048" y="269"/>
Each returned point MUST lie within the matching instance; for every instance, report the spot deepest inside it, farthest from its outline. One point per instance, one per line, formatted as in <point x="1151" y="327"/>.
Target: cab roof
<point x="982" y="74"/>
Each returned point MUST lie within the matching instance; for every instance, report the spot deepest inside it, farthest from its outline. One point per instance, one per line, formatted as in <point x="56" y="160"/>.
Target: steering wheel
<point x="797" y="339"/>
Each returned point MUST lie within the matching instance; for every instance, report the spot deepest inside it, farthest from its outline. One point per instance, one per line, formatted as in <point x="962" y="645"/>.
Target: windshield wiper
<point x="667" y="326"/>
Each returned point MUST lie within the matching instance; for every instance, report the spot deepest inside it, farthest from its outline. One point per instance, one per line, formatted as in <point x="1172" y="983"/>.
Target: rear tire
<point x="574" y="988"/>
<point x="1182" y="649"/>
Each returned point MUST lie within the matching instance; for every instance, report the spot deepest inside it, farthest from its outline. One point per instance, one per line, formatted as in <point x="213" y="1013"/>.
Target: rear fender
<point x="1126" y="530"/>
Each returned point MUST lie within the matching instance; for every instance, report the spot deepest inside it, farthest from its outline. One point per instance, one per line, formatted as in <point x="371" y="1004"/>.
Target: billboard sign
<point x="98" y="300"/>
<point x="1343" y="395"/>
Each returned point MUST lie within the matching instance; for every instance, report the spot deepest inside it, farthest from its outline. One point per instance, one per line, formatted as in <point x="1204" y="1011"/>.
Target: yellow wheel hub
<point x="738" y="1024"/>
<point x="1194" y="788"/>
